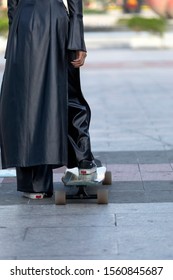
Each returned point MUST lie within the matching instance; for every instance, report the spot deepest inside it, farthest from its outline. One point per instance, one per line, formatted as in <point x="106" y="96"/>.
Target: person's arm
<point x="76" y="32"/>
<point x="12" y="4"/>
<point x="76" y="29"/>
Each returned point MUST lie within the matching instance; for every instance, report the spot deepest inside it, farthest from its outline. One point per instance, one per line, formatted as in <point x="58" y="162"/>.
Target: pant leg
<point x="35" y="179"/>
<point x="79" y="115"/>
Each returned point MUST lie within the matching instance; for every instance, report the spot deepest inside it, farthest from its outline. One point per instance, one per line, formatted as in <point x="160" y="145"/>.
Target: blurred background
<point x="118" y="14"/>
<point x="151" y="16"/>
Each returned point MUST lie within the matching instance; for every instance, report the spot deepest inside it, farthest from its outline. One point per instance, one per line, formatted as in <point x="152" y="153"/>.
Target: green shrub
<point x="155" y="25"/>
<point x="93" y="11"/>
<point x="3" y="22"/>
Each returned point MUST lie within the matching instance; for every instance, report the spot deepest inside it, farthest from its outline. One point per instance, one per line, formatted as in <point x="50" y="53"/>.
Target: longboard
<point x="72" y="178"/>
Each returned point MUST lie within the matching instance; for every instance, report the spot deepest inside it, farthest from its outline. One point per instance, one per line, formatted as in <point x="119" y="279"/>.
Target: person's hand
<point x="80" y="59"/>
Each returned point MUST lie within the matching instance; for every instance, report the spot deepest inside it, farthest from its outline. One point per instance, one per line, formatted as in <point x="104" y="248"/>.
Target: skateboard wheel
<point x="102" y="196"/>
<point x="60" y="197"/>
<point x="108" y="178"/>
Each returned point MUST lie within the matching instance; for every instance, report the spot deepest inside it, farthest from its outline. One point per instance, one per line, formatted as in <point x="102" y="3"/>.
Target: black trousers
<point x="40" y="178"/>
<point x="35" y="179"/>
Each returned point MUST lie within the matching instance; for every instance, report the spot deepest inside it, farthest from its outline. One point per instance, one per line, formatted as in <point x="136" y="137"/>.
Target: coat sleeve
<point x="12" y="4"/>
<point x="76" y="28"/>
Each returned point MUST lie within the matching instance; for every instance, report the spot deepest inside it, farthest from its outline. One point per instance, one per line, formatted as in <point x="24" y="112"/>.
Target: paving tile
<point x="15" y="210"/>
<point x="7" y="257"/>
<point x="59" y="241"/>
<point x="8" y="180"/>
<point x="10" y="239"/>
<point x="169" y="153"/>
<point x="52" y="209"/>
<point x="126" y="186"/>
<point x="158" y="186"/>
<point x="150" y="221"/>
<point x="124" y="176"/>
<point x="82" y="209"/>
<point x="57" y="221"/>
<point x="123" y="168"/>
<point x="113" y="157"/>
<point x="157" y="176"/>
<point x="144" y="244"/>
<point x="127" y="197"/>
<point x="155" y="167"/>
<point x="152" y="235"/>
<point x="152" y="157"/>
<point x="159" y="196"/>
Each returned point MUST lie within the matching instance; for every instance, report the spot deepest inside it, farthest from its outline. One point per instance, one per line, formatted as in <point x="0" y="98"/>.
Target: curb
<point x="133" y="40"/>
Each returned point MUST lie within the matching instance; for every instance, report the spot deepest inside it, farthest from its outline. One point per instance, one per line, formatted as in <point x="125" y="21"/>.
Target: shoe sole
<point x="34" y="195"/>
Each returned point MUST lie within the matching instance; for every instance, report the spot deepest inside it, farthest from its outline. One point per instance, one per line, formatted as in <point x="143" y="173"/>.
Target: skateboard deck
<point x="72" y="177"/>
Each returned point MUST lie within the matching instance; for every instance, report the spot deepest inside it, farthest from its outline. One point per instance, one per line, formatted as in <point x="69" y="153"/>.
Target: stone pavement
<point x="131" y="98"/>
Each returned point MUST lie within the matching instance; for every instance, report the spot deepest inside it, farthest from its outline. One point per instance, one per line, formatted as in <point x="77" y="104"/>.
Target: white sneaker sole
<point x="34" y="195"/>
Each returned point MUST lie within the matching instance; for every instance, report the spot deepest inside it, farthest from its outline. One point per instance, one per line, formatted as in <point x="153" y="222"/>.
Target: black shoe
<point x="87" y="167"/>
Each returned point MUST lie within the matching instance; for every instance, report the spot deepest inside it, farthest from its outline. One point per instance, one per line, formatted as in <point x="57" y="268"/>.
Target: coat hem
<point x="54" y="165"/>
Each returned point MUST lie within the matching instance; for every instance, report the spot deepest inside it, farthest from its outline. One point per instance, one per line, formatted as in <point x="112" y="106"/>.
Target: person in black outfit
<point x="44" y="118"/>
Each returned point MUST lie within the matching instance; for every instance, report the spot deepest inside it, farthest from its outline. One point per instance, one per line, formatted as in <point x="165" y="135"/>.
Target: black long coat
<point x="34" y="93"/>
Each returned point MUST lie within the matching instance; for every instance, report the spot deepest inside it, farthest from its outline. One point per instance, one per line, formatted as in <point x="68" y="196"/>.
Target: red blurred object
<point x="170" y="8"/>
<point x="162" y="7"/>
<point x="131" y="4"/>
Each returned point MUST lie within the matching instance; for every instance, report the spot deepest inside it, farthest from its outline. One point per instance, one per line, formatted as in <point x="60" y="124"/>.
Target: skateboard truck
<point x="81" y="194"/>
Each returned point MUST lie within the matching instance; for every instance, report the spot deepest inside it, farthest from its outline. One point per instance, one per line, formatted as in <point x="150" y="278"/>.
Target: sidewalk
<point x="131" y="98"/>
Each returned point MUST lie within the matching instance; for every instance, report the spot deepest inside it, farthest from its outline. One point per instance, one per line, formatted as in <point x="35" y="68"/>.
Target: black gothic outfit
<point x="44" y="118"/>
